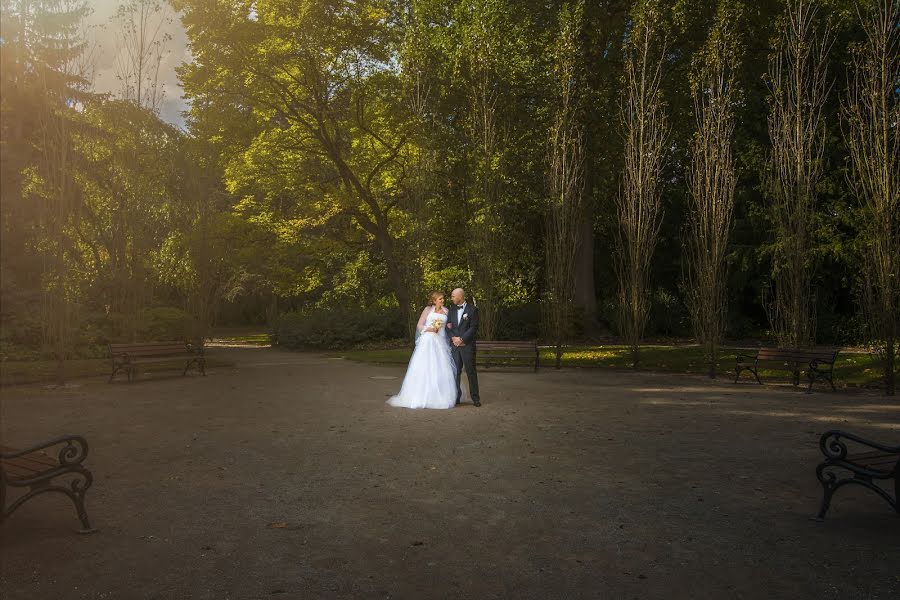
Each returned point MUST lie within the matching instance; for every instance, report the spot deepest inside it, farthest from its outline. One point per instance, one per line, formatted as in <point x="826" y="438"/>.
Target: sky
<point x="176" y="53"/>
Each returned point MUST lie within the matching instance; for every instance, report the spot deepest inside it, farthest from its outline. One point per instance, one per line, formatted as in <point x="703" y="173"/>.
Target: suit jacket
<point x="467" y="328"/>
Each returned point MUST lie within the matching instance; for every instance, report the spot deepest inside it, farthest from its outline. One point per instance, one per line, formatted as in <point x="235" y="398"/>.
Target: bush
<point x="522" y="322"/>
<point x="20" y="337"/>
<point x="166" y="323"/>
<point x="668" y="315"/>
<point x="337" y="328"/>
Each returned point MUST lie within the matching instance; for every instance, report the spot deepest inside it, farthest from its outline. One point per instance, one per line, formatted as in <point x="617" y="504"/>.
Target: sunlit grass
<point x="252" y="339"/>
<point x="851" y="369"/>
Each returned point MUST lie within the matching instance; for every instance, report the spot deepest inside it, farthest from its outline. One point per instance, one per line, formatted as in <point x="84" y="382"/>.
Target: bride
<point x="430" y="380"/>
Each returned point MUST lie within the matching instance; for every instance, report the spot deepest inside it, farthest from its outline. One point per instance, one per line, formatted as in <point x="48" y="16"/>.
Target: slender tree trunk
<point x="639" y="204"/>
<point x="565" y="179"/>
<point x="585" y="289"/>
<point x="711" y="178"/>
<point x="799" y="87"/>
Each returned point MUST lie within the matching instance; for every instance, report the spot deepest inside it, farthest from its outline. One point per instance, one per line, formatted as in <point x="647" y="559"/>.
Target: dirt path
<point x="288" y="477"/>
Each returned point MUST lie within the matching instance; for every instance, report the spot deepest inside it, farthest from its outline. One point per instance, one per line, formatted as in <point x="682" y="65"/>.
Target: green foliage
<point x="336" y="328"/>
<point x="519" y="322"/>
<point x="166" y="323"/>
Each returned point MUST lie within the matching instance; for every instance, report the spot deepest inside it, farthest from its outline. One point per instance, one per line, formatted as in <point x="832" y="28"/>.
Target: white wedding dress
<point x="430" y="380"/>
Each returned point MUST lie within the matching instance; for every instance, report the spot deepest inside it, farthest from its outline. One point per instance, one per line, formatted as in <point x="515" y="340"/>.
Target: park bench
<point x="874" y="462"/>
<point x="819" y="364"/>
<point x="127" y="357"/>
<point x="35" y="470"/>
<point x="493" y="350"/>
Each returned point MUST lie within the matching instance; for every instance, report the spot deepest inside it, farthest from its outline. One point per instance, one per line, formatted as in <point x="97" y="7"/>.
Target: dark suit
<point x="464" y="326"/>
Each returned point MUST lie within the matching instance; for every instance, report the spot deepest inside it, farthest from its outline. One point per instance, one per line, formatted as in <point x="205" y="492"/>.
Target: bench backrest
<point x="149" y="349"/>
<point x="795" y="354"/>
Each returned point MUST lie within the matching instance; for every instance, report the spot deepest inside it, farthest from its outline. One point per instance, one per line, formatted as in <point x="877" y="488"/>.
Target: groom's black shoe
<point x="476" y="402"/>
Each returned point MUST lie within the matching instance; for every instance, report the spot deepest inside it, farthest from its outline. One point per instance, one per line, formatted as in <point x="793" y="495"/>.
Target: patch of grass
<point x="860" y="369"/>
<point x="250" y="339"/>
<point x="39" y="371"/>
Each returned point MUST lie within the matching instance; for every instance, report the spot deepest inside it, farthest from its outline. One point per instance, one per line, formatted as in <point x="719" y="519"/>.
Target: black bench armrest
<point x="833" y="446"/>
<point x="195" y="348"/>
<point x="73" y="452"/>
<point x="743" y="355"/>
<point x="814" y="363"/>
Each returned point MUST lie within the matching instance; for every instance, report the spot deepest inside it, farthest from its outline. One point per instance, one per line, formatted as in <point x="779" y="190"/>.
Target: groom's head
<point x="458" y="296"/>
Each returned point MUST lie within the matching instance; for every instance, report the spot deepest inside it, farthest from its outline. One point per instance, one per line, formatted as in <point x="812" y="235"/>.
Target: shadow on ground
<point x="288" y="477"/>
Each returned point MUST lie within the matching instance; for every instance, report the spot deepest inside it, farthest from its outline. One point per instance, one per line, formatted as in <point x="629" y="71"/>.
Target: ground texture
<point x="286" y="476"/>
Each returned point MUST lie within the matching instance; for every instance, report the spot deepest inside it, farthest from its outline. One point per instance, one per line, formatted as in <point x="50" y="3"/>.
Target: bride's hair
<point x="433" y="296"/>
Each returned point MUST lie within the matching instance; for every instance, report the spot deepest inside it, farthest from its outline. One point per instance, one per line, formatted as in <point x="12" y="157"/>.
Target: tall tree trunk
<point x="585" y="298"/>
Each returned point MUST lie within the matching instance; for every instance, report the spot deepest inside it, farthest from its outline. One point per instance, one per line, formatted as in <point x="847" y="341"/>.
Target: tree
<point x="711" y="181"/>
<point x="485" y="59"/>
<point x="872" y="113"/>
<point x="605" y="27"/>
<point x="48" y="47"/>
<point x="639" y="203"/>
<point x="565" y="177"/>
<point x="799" y="86"/>
<point x="141" y="43"/>
<point x="419" y="156"/>
<point x="127" y="180"/>
<point x="316" y="81"/>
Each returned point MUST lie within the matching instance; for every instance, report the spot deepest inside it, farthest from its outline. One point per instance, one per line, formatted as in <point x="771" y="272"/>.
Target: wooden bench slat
<point x="22" y="465"/>
<point x="510" y="347"/>
<point x="874" y="459"/>
<point x="27" y="462"/>
<point x="16" y="473"/>
<point x="151" y="351"/>
<point x="883" y="465"/>
<point x="26" y="465"/>
<point x="792" y="357"/>
<point x="148" y="345"/>
<point x="181" y="352"/>
<point x="37" y="457"/>
<point x="873" y="454"/>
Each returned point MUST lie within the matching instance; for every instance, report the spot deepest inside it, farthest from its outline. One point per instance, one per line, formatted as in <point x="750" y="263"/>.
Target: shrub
<point x="337" y="328"/>
<point x="521" y="322"/>
<point x="166" y="323"/>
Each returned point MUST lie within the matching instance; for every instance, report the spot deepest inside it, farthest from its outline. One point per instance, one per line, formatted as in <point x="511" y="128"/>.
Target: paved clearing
<point x="288" y="477"/>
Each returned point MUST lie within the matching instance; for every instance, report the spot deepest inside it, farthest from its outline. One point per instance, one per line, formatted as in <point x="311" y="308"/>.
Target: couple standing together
<point x="445" y="344"/>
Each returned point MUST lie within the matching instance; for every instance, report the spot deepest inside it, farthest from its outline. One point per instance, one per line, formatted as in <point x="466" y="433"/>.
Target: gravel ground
<point x="288" y="477"/>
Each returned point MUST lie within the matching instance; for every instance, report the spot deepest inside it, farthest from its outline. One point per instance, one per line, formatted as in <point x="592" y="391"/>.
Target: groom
<point x="462" y="328"/>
